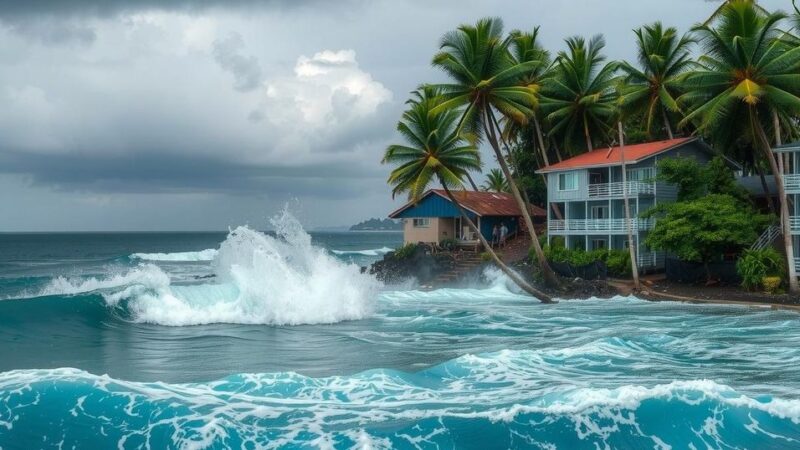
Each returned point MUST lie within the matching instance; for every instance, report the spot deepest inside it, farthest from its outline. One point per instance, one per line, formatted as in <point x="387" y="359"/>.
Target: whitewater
<point x="279" y="340"/>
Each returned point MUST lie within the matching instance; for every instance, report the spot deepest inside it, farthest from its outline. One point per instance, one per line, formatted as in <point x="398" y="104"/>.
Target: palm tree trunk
<point x="764" y="186"/>
<point x="758" y="130"/>
<point x="548" y="274"/>
<point x="472" y="182"/>
<point x="634" y="262"/>
<point x="586" y="134"/>
<point x="515" y="277"/>
<point x="540" y="138"/>
<point x="666" y="123"/>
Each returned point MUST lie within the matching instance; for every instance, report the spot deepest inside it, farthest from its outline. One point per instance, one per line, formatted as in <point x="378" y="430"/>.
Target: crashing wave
<point x="281" y="280"/>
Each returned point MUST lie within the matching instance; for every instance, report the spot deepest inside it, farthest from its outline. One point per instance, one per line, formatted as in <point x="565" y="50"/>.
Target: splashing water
<point x="261" y="279"/>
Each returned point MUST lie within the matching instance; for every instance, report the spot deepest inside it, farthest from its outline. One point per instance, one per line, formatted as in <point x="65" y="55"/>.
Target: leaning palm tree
<point x="746" y="79"/>
<point x="495" y="182"/>
<point x="579" y="98"/>
<point x="485" y="82"/>
<point x="651" y="89"/>
<point x="435" y="150"/>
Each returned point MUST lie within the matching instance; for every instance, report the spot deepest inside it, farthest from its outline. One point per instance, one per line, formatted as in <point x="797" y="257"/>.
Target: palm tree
<point x="718" y="12"/>
<point x="495" y="182"/>
<point x="436" y="151"/>
<point x="485" y="80"/>
<point x="524" y="48"/>
<point x="745" y="79"/>
<point x="578" y="99"/>
<point x="652" y="89"/>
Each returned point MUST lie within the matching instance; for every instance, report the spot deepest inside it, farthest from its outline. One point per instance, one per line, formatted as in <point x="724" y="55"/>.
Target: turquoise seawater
<point x="262" y="341"/>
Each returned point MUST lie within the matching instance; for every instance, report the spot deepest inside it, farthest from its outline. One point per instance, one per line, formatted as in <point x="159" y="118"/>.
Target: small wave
<point x="471" y="402"/>
<point x="203" y="255"/>
<point x="370" y="252"/>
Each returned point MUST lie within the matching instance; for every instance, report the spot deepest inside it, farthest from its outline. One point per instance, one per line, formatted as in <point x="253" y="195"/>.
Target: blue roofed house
<point x="434" y="218"/>
<point x="585" y="195"/>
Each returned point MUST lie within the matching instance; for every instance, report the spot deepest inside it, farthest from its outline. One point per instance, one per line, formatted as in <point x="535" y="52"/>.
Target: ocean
<point x="277" y="340"/>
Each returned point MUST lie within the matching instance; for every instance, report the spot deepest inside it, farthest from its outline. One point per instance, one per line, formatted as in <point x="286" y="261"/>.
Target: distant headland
<point x="378" y="225"/>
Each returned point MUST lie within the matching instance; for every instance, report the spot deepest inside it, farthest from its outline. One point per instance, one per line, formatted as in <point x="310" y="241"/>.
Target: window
<point x="567" y="181"/>
<point x="599" y="212"/>
<point x="598" y="244"/>
<point x="643" y="174"/>
<point x="422" y="223"/>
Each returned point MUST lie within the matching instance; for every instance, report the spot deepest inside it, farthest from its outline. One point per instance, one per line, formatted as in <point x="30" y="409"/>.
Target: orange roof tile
<point x="613" y="157"/>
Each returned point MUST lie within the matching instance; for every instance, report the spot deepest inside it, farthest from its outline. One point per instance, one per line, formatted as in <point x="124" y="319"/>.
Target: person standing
<point x="503" y="234"/>
<point x="495" y="235"/>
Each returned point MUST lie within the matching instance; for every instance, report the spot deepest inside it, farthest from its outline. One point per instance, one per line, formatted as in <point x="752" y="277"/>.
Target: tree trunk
<point x="472" y="182"/>
<point x="586" y="134"/>
<point x="634" y="263"/>
<point x="548" y="274"/>
<point x="667" y="127"/>
<point x="708" y="271"/>
<point x="515" y="277"/>
<point x="758" y="130"/>
<point x="540" y="138"/>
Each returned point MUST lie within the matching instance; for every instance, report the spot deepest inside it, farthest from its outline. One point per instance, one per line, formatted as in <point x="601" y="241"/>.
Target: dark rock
<point x="423" y="265"/>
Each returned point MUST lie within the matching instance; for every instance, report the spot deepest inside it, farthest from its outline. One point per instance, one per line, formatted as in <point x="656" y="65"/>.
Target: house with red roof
<point x="585" y="195"/>
<point x="434" y="218"/>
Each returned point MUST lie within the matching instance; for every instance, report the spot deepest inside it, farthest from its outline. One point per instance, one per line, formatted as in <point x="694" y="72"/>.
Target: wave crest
<point x="203" y="255"/>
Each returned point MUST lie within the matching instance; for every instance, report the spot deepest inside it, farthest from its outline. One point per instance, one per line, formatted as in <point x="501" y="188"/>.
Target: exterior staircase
<point x="516" y="249"/>
<point x="767" y="238"/>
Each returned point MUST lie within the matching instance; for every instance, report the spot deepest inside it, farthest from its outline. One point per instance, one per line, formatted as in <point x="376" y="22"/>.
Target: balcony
<point x="794" y="224"/>
<point x="598" y="225"/>
<point x="791" y="183"/>
<point x="613" y="190"/>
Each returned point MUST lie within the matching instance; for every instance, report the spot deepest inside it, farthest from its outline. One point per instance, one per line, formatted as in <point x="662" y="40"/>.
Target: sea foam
<point x="261" y="279"/>
<point x="369" y="252"/>
<point x="203" y="255"/>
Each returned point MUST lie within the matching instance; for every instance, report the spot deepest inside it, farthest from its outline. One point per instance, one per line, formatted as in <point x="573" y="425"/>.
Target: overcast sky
<point x="199" y="115"/>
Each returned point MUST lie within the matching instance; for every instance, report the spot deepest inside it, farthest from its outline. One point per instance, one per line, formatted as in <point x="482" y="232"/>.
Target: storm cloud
<point x="199" y="114"/>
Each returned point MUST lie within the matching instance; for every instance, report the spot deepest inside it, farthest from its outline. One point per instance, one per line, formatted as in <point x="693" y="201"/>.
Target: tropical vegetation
<point x="733" y="79"/>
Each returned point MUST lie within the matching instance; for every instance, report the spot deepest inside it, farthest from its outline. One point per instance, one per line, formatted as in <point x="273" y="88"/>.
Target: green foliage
<point x="405" y="251"/>
<point x="617" y="261"/>
<point x="448" y="244"/>
<point x="434" y="149"/>
<point x="495" y="182"/>
<point x="701" y="230"/>
<point x="651" y="89"/>
<point x="486" y="256"/>
<point x="685" y="174"/>
<point x="756" y="265"/>
<point x="772" y="285"/>
<point x="579" y="99"/>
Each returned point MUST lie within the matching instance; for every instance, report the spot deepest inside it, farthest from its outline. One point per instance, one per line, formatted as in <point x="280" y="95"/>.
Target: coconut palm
<point x="436" y="151"/>
<point x="579" y="98"/>
<point x="747" y="83"/>
<point x="651" y="89"/>
<point x="487" y="80"/>
<point x="495" y="182"/>
<point x="525" y="47"/>
<point x="718" y="12"/>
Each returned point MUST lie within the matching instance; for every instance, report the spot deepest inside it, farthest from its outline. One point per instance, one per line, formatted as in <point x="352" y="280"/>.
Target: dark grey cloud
<point x="246" y="70"/>
<point x="50" y="31"/>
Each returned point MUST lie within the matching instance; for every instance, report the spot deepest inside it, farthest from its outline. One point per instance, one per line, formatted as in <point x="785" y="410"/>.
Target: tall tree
<point x="436" y="151"/>
<point x="746" y="75"/>
<point x="495" y="181"/>
<point x="652" y="88"/>
<point x="578" y="99"/>
<point x="485" y="80"/>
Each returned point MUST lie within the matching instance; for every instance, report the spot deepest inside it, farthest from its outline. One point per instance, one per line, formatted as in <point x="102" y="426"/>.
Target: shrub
<point x="619" y="263"/>
<point x="755" y="265"/>
<point x="405" y="251"/>
<point x="486" y="256"/>
<point x="448" y="244"/>
<point x="772" y="285"/>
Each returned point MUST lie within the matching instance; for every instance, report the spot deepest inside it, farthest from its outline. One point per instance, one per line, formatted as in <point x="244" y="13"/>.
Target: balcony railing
<point x="599" y="224"/>
<point x="794" y="223"/>
<point x="792" y="183"/>
<point x="606" y="190"/>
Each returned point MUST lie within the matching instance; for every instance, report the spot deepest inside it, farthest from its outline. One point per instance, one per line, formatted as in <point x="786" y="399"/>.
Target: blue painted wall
<point x="433" y="206"/>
